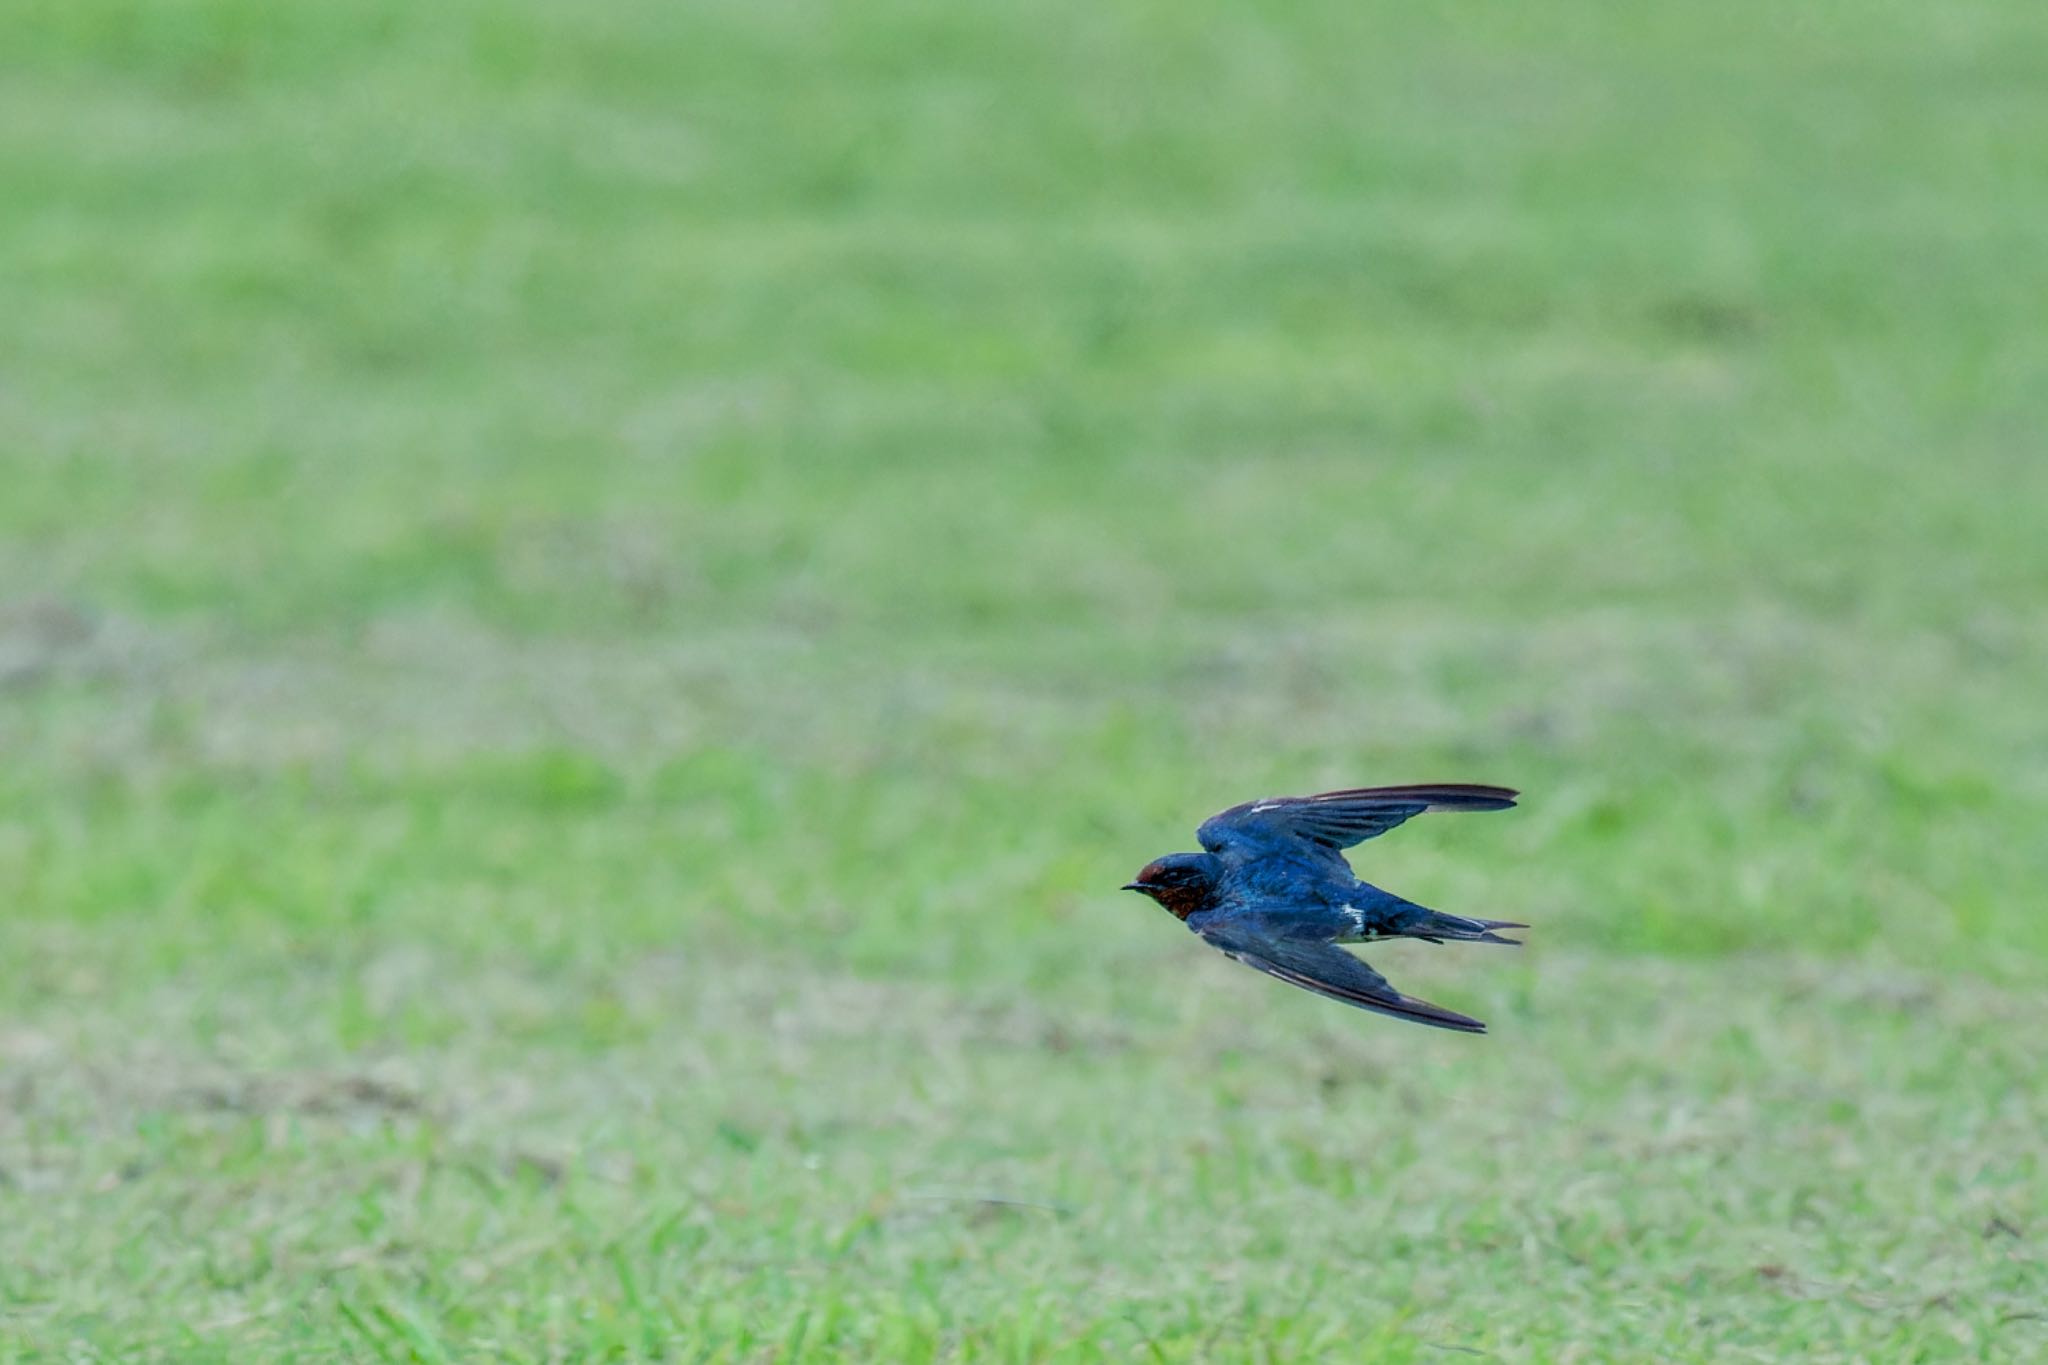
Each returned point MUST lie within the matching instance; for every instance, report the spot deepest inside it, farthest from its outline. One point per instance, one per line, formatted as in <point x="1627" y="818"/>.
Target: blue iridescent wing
<point x="1339" y="819"/>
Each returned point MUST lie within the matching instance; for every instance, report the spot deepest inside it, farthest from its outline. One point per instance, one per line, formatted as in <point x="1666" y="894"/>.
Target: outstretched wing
<point x="1328" y="970"/>
<point x="1335" y="820"/>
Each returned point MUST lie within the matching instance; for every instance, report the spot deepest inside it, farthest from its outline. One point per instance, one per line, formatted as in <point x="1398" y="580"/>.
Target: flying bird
<point x="1271" y="889"/>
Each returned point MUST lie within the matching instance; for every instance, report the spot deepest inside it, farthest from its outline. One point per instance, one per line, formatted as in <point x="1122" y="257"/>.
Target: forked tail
<point x="1434" y="926"/>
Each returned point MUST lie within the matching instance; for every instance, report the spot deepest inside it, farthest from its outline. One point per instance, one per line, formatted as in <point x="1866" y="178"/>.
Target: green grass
<point x="595" y="598"/>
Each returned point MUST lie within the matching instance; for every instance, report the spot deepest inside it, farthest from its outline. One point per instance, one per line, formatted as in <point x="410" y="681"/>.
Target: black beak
<point x="1132" y="886"/>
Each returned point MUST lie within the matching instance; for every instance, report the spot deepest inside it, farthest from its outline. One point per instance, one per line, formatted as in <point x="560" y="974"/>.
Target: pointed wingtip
<point x="1455" y="1023"/>
<point x="1436" y="1016"/>
<point x="1466" y="796"/>
<point x="1416" y="1011"/>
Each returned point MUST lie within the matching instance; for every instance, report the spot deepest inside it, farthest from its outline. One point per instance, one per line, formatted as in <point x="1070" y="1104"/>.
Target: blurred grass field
<point x="594" y="601"/>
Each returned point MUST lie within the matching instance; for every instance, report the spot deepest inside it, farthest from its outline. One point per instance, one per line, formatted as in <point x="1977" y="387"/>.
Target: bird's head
<point x="1182" y="882"/>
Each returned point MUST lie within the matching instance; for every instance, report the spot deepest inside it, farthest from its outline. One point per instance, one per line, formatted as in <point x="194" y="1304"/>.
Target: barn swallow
<point x="1272" y="890"/>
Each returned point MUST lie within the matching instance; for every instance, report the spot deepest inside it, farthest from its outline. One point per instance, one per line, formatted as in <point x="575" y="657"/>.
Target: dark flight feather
<point x="1330" y="971"/>
<point x="1339" y="819"/>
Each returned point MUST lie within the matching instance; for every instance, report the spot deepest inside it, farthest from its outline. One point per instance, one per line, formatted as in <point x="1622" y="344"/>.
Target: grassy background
<point x="595" y="598"/>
